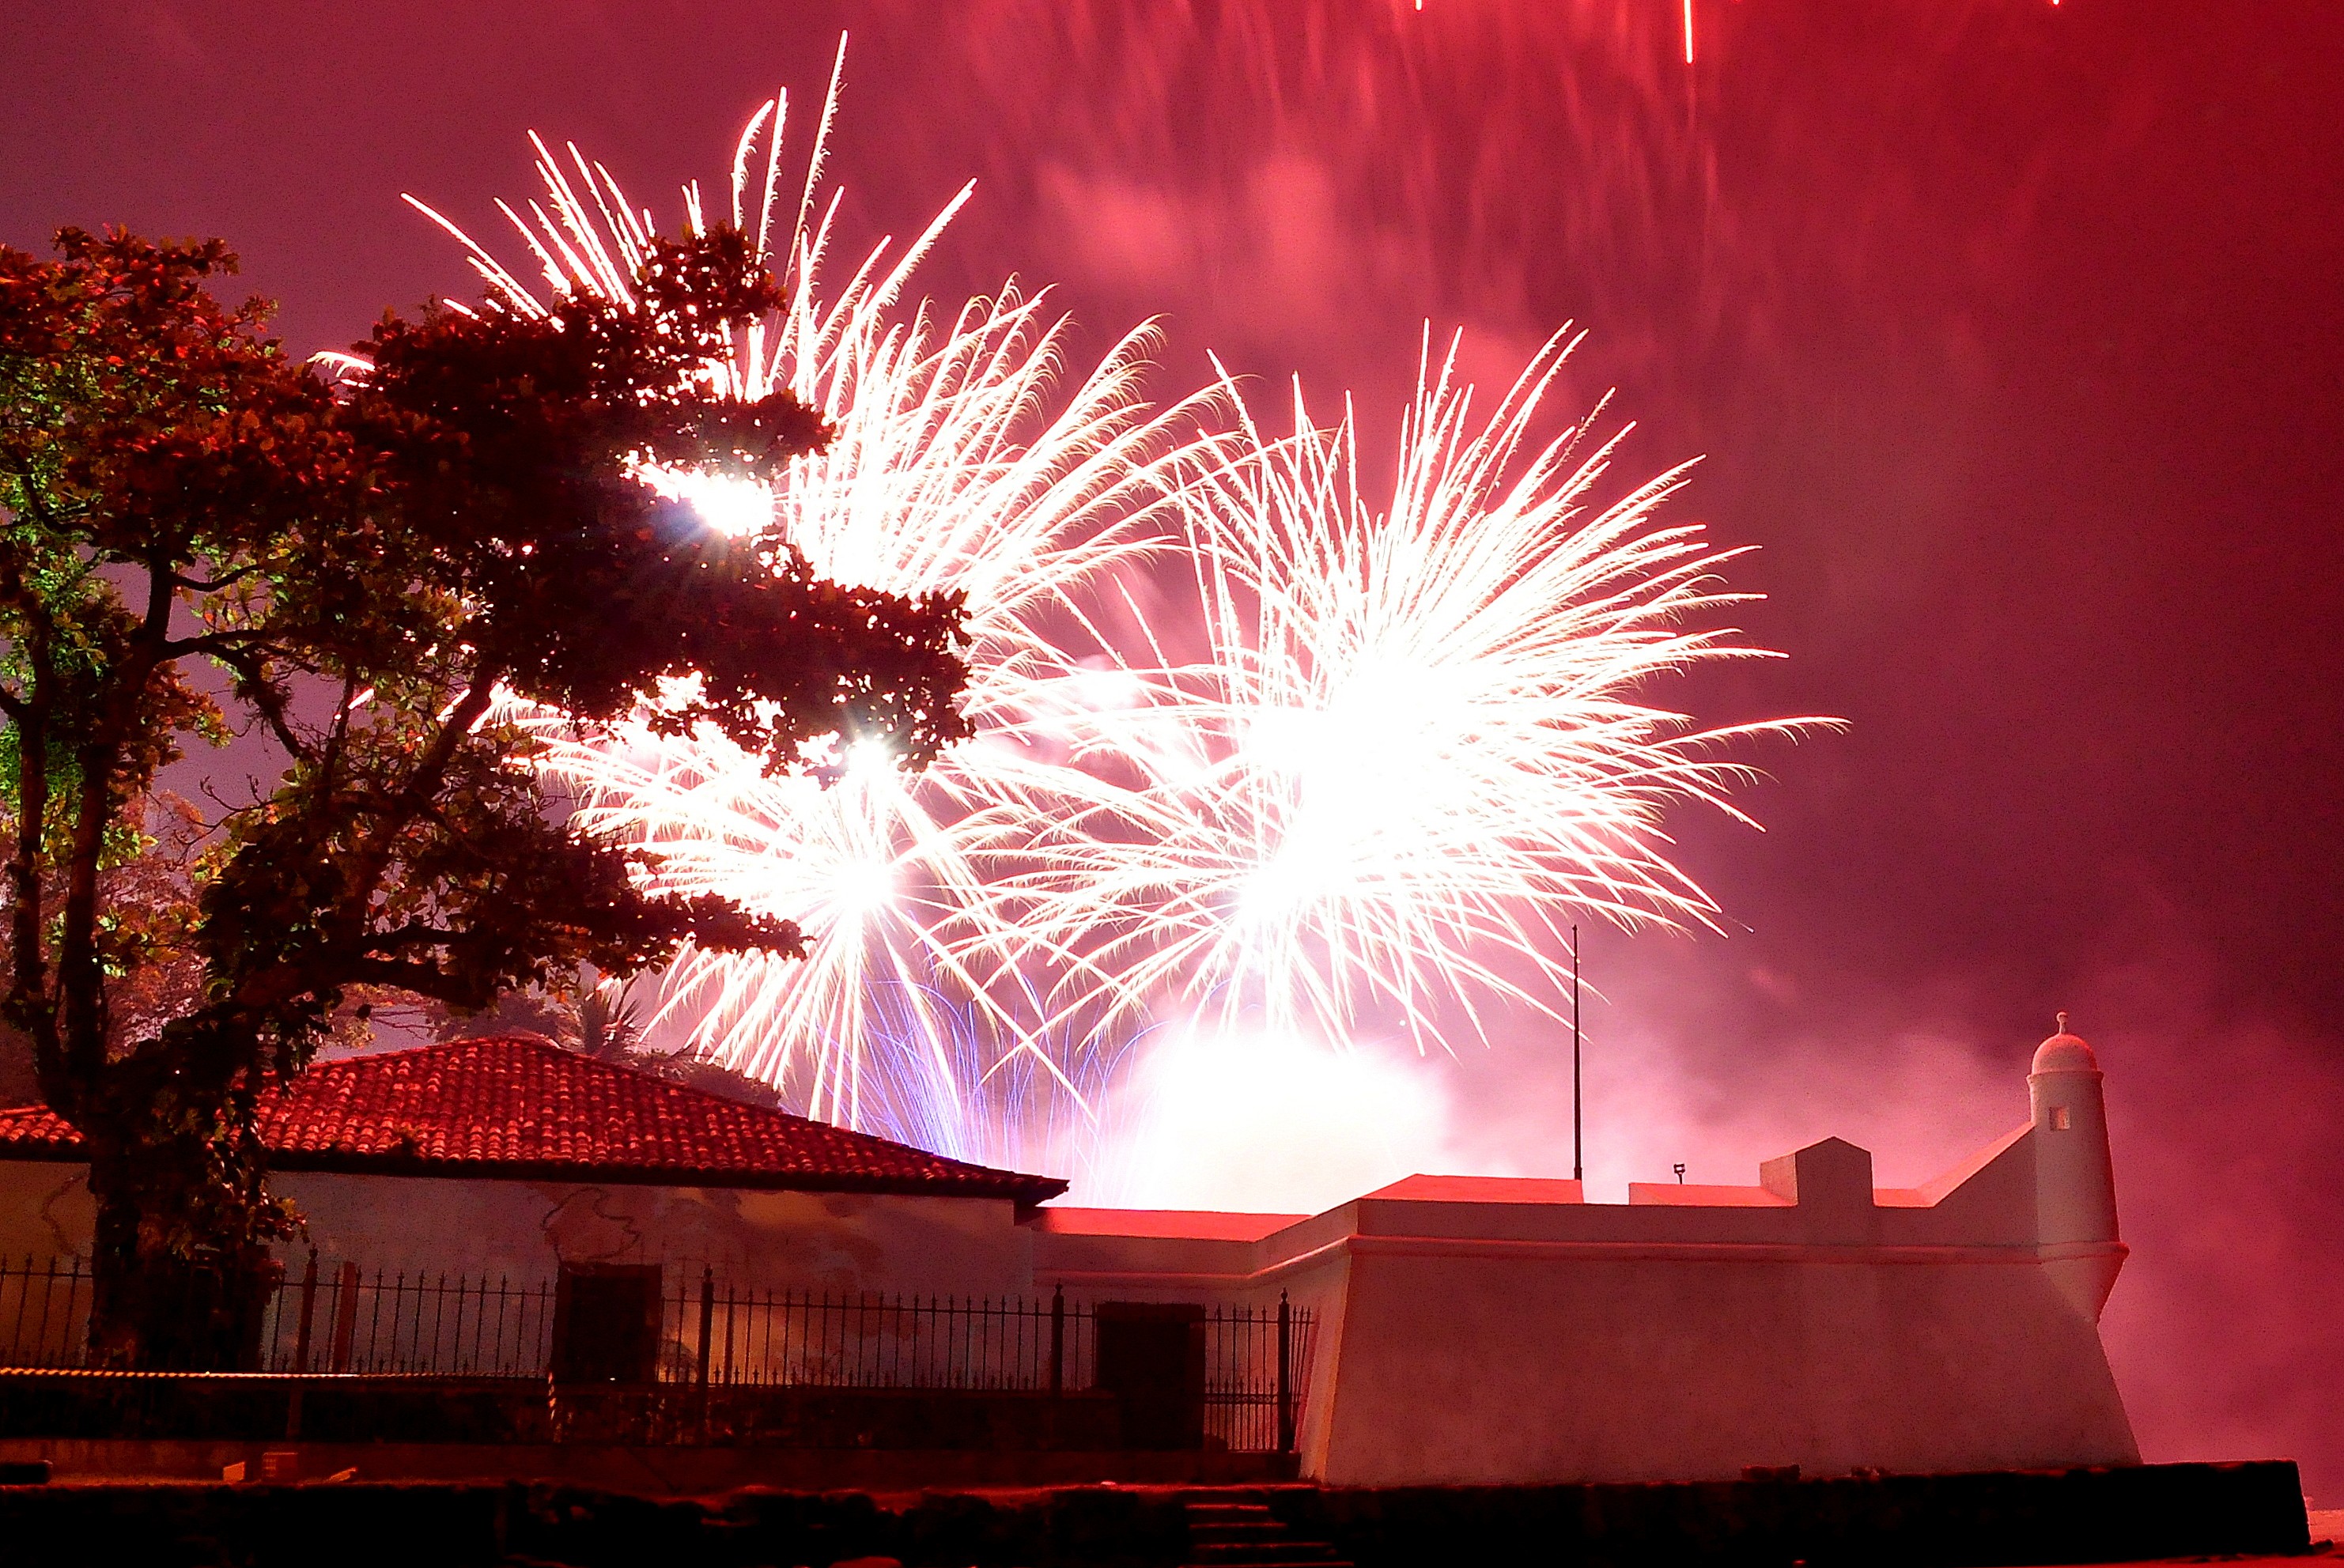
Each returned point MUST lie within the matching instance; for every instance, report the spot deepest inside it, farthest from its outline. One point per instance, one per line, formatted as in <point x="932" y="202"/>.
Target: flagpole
<point x="1578" y="1143"/>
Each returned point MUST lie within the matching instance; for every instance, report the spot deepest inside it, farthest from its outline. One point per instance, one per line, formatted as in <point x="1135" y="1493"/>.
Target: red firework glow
<point x="2014" y="338"/>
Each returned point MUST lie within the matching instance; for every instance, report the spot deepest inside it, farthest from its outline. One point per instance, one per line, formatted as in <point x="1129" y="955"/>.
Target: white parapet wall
<point x="1491" y="1330"/>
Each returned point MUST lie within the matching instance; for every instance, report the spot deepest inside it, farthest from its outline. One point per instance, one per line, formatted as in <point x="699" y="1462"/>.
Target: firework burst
<point x="1411" y="739"/>
<point x="1418" y="738"/>
<point x="957" y="462"/>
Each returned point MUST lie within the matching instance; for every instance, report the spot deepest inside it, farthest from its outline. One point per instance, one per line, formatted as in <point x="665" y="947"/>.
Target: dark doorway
<point x="606" y="1323"/>
<point x="1151" y="1356"/>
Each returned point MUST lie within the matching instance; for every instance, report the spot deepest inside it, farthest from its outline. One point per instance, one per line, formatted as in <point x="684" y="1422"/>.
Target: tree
<point x="198" y="535"/>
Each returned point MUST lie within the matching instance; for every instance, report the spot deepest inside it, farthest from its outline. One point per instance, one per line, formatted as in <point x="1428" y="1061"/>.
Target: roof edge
<point x="1029" y="1190"/>
<point x="327" y="1162"/>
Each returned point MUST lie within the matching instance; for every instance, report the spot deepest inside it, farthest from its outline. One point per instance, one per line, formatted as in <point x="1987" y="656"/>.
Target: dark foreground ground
<point x="2246" y="1513"/>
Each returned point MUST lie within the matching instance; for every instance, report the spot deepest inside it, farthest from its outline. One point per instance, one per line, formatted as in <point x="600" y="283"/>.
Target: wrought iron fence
<point x="337" y="1319"/>
<point x="47" y="1313"/>
<point x="342" y="1321"/>
<point x="1257" y="1360"/>
<point x="712" y="1333"/>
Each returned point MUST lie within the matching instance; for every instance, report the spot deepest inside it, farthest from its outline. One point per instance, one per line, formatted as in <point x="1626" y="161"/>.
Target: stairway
<point x="1225" y="1531"/>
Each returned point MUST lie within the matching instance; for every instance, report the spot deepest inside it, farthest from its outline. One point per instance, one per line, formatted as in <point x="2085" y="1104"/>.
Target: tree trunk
<point x="181" y="1271"/>
<point x="155" y="1309"/>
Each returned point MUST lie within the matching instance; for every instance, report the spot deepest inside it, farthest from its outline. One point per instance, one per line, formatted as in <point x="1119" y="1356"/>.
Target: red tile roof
<point x="525" y="1109"/>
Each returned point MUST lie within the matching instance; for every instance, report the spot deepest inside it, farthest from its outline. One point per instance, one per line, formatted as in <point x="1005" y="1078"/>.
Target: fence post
<point x="345" y="1316"/>
<point x="707" y="1319"/>
<point x="1057" y="1342"/>
<point x="308" y="1308"/>
<point x="707" y="1332"/>
<point x="1285" y="1375"/>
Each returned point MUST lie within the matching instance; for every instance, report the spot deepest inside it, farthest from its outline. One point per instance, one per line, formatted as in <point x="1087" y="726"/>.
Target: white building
<point x="1467" y="1330"/>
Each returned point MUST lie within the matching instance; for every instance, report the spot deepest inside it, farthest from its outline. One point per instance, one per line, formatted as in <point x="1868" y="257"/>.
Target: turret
<point x="2075" y="1184"/>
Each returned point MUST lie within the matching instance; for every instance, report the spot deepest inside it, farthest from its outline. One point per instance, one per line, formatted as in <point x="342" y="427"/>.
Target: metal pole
<point x="707" y="1321"/>
<point x="707" y="1327"/>
<point x="346" y="1314"/>
<point x="1284" y="1374"/>
<point x="309" y="1306"/>
<point x="1578" y="1131"/>
<point x="1057" y="1342"/>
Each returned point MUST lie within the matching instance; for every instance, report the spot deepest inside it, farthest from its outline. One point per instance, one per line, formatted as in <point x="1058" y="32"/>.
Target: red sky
<point x="2014" y="334"/>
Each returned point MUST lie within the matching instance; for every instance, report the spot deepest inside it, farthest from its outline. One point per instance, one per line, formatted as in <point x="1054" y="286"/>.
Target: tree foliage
<point x="199" y="536"/>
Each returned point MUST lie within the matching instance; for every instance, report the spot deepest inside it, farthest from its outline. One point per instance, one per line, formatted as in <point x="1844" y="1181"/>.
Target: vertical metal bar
<point x="707" y="1321"/>
<point x="48" y="1299"/>
<point x="1285" y="1375"/>
<point x="83" y="1271"/>
<point x="308" y="1311"/>
<point x="439" y="1315"/>
<point x="1578" y="1143"/>
<point x="24" y="1299"/>
<point x="48" y="1293"/>
<point x="1057" y="1342"/>
<point x="374" y="1324"/>
<point x="457" y="1365"/>
<point x="346" y="1312"/>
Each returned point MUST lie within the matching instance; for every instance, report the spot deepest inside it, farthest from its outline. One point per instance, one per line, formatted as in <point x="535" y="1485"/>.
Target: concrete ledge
<point x="2115" y="1515"/>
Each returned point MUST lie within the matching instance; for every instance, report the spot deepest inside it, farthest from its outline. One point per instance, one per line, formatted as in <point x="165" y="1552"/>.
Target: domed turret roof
<point x="2065" y="1053"/>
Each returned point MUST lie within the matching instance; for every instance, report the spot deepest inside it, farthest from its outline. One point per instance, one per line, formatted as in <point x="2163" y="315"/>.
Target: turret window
<point x="2058" y="1118"/>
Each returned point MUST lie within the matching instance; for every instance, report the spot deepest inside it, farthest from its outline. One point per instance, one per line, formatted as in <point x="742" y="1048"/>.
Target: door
<point x="606" y="1323"/>
<point x="1151" y="1356"/>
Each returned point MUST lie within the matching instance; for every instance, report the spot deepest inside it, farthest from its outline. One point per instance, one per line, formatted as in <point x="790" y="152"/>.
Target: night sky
<point x="2014" y="334"/>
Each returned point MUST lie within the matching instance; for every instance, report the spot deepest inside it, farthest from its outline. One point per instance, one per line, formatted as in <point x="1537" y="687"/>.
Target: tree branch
<point x="407" y="974"/>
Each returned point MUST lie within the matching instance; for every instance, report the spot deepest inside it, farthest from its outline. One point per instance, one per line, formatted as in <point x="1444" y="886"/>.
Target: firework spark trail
<point x="1411" y="743"/>
<point x="958" y="462"/>
<point x="1416" y="740"/>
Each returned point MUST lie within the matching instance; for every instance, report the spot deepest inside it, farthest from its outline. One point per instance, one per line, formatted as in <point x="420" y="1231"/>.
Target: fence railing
<point x="342" y="1321"/>
<point x="1257" y="1360"/>
<point x="649" y="1326"/>
<point x="714" y="1334"/>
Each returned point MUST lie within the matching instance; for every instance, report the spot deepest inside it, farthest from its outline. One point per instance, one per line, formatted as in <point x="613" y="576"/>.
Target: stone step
<point x="1232" y="1534"/>
<point x="1247" y="1551"/>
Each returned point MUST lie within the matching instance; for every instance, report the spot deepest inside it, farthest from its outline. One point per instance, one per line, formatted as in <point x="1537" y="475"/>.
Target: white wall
<point x="1482" y="1331"/>
<point x="1457" y="1367"/>
<point x="523" y="1229"/>
<point x="44" y="1210"/>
